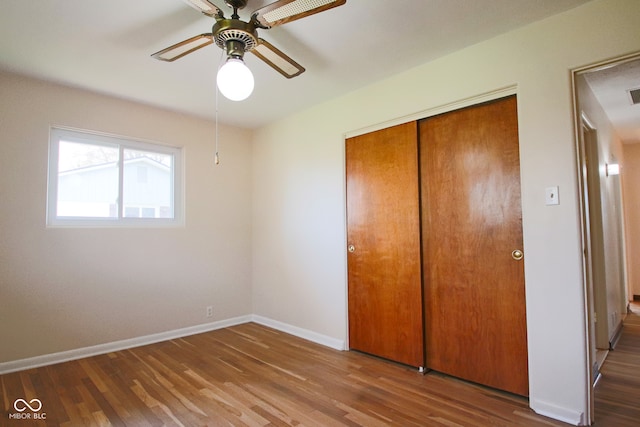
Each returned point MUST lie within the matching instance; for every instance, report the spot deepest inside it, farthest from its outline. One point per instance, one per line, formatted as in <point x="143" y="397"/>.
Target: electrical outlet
<point x="209" y="311"/>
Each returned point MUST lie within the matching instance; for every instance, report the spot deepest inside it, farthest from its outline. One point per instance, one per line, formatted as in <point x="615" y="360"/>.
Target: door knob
<point x="517" y="254"/>
<point x="351" y="248"/>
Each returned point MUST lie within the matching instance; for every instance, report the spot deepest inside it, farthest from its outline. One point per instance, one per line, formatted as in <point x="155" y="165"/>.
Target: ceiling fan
<point x="237" y="37"/>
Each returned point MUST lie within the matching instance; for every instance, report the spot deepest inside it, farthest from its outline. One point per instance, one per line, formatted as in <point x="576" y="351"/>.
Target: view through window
<point x="106" y="180"/>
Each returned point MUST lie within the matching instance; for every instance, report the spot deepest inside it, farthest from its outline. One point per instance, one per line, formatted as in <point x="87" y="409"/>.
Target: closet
<point x="434" y="235"/>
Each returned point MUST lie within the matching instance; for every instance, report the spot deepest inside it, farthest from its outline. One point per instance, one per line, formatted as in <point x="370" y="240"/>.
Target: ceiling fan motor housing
<point x="235" y="36"/>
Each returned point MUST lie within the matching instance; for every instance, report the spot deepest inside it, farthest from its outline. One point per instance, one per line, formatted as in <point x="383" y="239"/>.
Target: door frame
<point x="585" y="127"/>
<point x="593" y="251"/>
<point x="580" y="122"/>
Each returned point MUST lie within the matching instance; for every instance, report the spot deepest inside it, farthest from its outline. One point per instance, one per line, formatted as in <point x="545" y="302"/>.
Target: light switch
<point x="551" y="196"/>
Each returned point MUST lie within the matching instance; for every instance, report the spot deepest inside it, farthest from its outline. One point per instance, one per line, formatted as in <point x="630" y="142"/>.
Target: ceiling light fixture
<point x="235" y="79"/>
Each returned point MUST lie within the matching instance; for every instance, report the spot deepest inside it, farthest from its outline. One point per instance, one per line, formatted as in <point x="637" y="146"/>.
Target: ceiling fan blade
<point x="283" y="11"/>
<point x="206" y="7"/>
<point x="277" y="59"/>
<point x="183" y="48"/>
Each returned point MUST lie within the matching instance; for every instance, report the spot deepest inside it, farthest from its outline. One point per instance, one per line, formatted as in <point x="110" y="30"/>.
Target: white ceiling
<point x="105" y="46"/>
<point x="611" y="86"/>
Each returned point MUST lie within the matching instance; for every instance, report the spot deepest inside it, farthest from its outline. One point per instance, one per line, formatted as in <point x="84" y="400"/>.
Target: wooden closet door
<point x="383" y="234"/>
<point x="471" y="222"/>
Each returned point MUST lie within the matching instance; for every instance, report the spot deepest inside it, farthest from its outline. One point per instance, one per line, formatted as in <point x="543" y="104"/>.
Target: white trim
<point x="430" y="112"/>
<point x="557" y="412"/>
<point x="80" y="353"/>
<point x="606" y="64"/>
<point x="300" y="332"/>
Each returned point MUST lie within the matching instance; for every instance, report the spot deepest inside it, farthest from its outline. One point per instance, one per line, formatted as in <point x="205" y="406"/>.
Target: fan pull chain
<point x="217" y="156"/>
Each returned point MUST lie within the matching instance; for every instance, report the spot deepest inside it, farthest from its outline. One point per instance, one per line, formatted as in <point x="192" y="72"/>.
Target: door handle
<point x="351" y="248"/>
<point x="517" y="254"/>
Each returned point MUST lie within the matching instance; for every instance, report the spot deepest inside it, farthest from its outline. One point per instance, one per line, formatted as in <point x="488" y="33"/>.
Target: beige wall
<point x="299" y="236"/>
<point x="66" y="288"/>
<point x="630" y="175"/>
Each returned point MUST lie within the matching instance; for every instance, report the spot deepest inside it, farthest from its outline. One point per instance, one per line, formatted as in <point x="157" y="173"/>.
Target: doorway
<point x="604" y="121"/>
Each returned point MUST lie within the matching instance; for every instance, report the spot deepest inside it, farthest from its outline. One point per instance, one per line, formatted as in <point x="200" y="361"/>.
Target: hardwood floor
<point x="256" y="376"/>
<point x="617" y="394"/>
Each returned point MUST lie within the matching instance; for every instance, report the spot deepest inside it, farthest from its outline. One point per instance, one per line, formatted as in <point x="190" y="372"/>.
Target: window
<point x="101" y="180"/>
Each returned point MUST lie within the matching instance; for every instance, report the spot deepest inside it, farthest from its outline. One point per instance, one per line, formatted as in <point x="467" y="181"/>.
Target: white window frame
<point x="58" y="134"/>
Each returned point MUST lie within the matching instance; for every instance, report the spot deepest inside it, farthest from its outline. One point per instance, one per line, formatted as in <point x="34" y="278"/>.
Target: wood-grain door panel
<point x="383" y="229"/>
<point x="475" y="323"/>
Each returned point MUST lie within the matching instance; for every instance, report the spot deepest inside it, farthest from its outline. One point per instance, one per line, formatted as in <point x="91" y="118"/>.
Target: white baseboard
<point x="300" y="332"/>
<point x="556" y="412"/>
<point x="65" y="356"/>
<point x="617" y="334"/>
<point x="80" y="353"/>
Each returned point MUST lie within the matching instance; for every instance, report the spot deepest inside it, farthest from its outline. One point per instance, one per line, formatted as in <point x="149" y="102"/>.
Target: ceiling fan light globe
<point x="235" y="80"/>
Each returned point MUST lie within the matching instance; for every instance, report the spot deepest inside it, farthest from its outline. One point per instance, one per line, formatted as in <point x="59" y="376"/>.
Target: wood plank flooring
<point x="617" y="394"/>
<point x="255" y="376"/>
